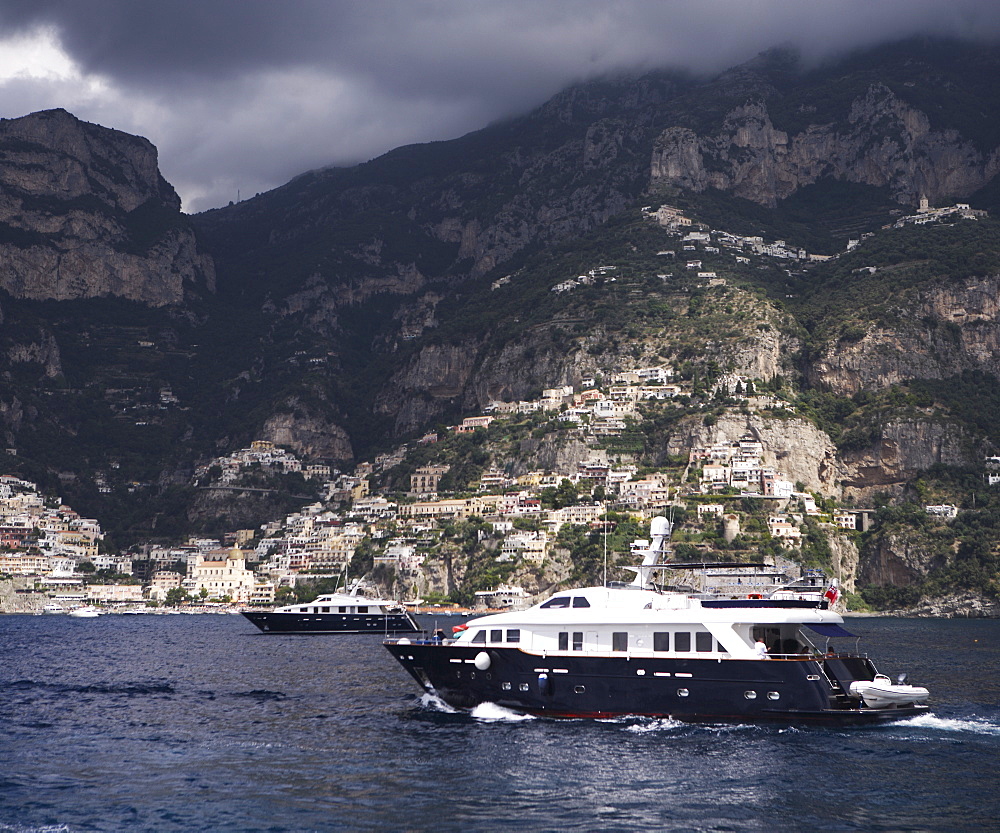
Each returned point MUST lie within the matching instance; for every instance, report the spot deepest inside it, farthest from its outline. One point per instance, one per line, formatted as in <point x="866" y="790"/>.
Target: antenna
<point x="605" y="543"/>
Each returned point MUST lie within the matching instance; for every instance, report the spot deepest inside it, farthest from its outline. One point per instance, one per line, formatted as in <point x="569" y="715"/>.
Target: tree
<point x="177" y="596"/>
<point x="565" y="494"/>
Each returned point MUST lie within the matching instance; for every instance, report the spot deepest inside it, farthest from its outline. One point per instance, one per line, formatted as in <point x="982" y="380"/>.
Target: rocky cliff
<point x="793" y="446"/>
<point x="884" y="142"/>
<point x="84" y="213"/>
<point x="940" y="330"/>
<point x="903" y="449"/>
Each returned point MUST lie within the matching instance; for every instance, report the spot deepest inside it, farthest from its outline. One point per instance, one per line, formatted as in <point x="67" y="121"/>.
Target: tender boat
<point x="636" y="649"/>
<point x="882" y="693"/>
<point x="348" y="612"/>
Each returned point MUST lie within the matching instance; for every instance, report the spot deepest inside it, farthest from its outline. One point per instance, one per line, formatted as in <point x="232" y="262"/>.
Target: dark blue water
<point x="200" y="723"/>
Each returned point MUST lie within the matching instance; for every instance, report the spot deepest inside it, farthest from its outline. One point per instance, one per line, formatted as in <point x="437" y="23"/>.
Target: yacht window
<point x="682" y="641"/>
<point x="580" y="601"/>
<point x="619" y="641"/>
<point x="325" y="609"/>
<point x="362" y="608"/>
<point x="703" y="641"/>
<point x="505" y="686"/>
<point x="496" y="636"/>
<point x="479" y="638"/>
<point x="557" y="601"/>
<point x="661" y="641"/>
<point x="343" y="609"/>
<point x="577" y="640"/>
<point x="514" y="635"/>
<point x="564" y="641"/>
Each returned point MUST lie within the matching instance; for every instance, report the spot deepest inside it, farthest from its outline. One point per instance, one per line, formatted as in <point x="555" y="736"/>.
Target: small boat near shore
<point x="85" y="612"/>
<point x="639" y="649"/>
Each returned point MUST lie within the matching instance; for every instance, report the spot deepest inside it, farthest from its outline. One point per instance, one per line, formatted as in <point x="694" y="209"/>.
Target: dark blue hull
<point x="271" y="622"/>
<point x="697" y="690"/>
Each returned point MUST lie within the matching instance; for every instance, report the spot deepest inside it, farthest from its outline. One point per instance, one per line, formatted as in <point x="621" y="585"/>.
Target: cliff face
<point x="898" y="561"/>
<point x="948" y="328"/>
<point x="308" y="436"/>
<point x="885" y="143"/>
<point x="795" y="446"/>
<point x="904" y="449"/>
<point x="84" y="213"/>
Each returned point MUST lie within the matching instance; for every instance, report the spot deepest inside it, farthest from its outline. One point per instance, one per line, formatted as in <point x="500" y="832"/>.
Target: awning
<point x="831" y="630"/>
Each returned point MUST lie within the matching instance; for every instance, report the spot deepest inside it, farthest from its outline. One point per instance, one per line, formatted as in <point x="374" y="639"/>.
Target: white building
<point x="221" y="576"/>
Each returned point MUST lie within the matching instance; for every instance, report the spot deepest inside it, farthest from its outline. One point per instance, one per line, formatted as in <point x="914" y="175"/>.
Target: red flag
<point x="832" y="593"/>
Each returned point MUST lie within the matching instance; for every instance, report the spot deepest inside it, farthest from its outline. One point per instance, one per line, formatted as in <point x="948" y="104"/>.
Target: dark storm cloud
<point x="247" y="93"/>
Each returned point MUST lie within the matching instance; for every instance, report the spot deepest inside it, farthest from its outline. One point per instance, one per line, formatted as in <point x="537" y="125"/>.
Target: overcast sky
<point x="242" y="95"/>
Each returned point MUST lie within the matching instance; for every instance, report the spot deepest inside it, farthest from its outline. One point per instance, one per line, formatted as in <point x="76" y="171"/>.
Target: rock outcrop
<point x="310" y="437"/>
<point x="845" y="560"/>
<point x="85" y="213"/>
<point x="898" y="560"/>
<point x="950" y="327"/>
<point x="905" y="448"/>
<point x="968" y="605"/>
<point x="885" y="143"/>
<point x="795" y="447"/>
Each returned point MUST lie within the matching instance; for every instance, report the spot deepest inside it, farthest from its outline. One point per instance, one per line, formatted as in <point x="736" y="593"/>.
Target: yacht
<point x="348" y="612"/>
<point x="639" y="649"/>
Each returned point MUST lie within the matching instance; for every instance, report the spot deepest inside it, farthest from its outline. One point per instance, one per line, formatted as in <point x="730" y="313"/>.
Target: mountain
<point x="397" y="252"/>
<point x="85" y="213"/>
<point x="354" y="308"/>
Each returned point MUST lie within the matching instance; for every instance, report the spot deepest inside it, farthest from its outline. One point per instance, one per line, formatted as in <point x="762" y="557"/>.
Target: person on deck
<point x="760" y="648"/>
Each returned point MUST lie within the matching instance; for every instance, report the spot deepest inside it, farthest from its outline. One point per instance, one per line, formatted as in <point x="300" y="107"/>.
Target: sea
<point x="202" y="723"/>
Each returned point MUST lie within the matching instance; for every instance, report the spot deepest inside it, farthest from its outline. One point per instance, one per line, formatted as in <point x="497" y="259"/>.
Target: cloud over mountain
<point x="244" y="95"/>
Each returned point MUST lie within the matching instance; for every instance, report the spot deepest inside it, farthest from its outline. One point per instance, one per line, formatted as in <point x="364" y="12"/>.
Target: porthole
<point x="812" y="676"/>
<point x="505" y="686"/>
<point x="640" y="672"/>
<point x="773" y="695"/>
<point x="472" y="675"/>
<point x="523" y="687"/>
<point x="750" y="695"/>
<point x="580" y="689"/>
<point x="682" y="692"/>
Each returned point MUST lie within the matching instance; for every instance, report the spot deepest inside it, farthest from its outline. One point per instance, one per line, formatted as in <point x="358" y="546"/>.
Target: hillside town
<point x="54" y="552"/>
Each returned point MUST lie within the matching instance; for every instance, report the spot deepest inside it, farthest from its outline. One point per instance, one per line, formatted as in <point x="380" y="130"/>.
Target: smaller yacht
<point x="53" y="607"/>
<point x="348" y="612"/>
<point x="85" y="612"/>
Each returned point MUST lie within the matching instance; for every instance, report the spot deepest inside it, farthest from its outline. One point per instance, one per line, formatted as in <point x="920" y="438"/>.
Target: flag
<point x="832" y="593"/>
